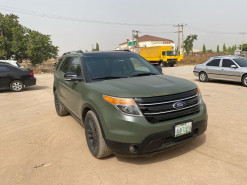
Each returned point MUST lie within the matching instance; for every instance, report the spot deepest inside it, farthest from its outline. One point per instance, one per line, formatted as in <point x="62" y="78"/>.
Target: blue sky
<point x="209" y="19"/>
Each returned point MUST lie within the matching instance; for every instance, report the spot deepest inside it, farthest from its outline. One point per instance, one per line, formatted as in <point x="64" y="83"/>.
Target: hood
<point x="145" y="86"/>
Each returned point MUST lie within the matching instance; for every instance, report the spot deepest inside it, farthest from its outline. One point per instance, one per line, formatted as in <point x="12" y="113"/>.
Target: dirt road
<point x="38" y="147"/>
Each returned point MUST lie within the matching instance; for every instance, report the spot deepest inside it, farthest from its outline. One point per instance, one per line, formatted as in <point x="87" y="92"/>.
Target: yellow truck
<point x="161" y="55"/>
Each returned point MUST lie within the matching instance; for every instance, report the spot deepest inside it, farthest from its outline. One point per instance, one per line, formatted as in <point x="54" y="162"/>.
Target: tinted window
<point x="227" y="63"/>
<point x="215" y="62"/>
<point x="242" y="62"/>
<point x="3" y="69"/>
<point x="65" y="65"/>
<point x="118" y="66"/>
<point x="75" y="66"/>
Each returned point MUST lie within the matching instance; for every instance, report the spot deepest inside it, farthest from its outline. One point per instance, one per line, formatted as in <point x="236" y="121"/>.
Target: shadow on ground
<point x="166" y="155"/>
<point x="32" y="88"/>
<point x="222" y="82"/>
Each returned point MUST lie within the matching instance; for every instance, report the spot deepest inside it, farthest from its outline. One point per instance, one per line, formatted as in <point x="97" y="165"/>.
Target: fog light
<point x="133" y="149"/>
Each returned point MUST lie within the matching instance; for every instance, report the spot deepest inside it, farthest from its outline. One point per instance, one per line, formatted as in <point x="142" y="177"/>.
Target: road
<point x="38" y="147"/>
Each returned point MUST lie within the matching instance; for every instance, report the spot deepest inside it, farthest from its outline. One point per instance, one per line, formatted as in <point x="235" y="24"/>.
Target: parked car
<point x="12" y="62"/>
<point x="15" y="78"/>
<point x="230" y="68"/>
<point x="125" y="104"/>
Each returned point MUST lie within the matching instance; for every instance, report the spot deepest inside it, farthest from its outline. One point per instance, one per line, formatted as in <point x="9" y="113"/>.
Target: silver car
<point x="230" y="68"/>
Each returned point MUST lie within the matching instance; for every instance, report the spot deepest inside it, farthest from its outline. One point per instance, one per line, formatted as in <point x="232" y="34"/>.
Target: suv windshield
<point x="118" y="67"/>
<point x="242" y="62"/>
<point x="171" y="53"/>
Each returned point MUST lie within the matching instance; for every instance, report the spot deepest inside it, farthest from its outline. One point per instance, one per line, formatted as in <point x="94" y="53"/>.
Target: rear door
<point x="5" y="77"/>
<point x="229" y="73"/>
<point x="213" y="69"/>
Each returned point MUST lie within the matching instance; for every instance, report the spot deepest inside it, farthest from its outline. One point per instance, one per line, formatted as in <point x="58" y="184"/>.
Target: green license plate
<point x="183" y="128"/>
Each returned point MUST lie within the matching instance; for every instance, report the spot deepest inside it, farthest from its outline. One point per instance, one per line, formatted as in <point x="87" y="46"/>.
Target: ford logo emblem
<point x="178" y="105"/>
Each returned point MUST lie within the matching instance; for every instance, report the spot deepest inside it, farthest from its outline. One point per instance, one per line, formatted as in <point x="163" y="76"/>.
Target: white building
<point x="149" y="41"/>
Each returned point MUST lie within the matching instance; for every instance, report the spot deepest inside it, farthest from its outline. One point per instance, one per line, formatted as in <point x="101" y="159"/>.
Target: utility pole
<point x="178" y="37"/>
<point x="182" y="25"/>
<point x="135" y="35"/>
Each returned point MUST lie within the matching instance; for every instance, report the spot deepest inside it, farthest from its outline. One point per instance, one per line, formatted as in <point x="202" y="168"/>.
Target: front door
<point x="4" y="77"/>
<point x="229" y="73"/>
<point x="212" y="69"/>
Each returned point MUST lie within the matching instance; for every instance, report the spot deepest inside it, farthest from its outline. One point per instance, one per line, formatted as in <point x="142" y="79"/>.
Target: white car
<point x="12" y="62"/>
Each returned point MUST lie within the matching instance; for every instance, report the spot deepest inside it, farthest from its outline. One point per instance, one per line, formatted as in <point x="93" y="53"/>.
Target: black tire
<point x="203" y="77"/>
<point x="244" y="80"/>
<point x="172" y="65"/>
<point x="94" y="137"/>
<point x="162" y="64"/>
<point x="61" y="111"/>
<point x="16" y="86"/>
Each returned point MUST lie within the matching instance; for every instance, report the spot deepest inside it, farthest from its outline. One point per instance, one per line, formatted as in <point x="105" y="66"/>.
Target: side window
<point x="75" y="66"/>
<point x="138" y="65"/>
<point x="65" y="65"/>
<point x="4" y="69"/>
<point x="215" y="62"/>
<point x="227" y="63"/>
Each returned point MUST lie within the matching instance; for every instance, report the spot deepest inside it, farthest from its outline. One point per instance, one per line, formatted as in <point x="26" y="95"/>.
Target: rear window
<point x="242" y="62"/>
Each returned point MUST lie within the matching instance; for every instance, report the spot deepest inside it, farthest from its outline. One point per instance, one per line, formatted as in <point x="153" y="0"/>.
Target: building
<point x="148" y="41"/>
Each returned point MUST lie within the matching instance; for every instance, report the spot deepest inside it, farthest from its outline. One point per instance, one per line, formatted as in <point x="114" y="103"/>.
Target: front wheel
<point x="244" y="80"/>
<point x="94" y="137"/>
<point x="16" y="86"/>
<point x="203" y="77"/>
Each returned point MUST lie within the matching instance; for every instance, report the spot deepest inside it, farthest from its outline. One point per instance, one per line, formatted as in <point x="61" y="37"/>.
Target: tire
<point x="94" y="137"/>
<point x="172" y="65"/>
<point x="162" y="64"/>
<point x="244" y="80"/>
<point x="203" y="77"/>
<point x="16" y="86"/>
<point x="61" y="111"/>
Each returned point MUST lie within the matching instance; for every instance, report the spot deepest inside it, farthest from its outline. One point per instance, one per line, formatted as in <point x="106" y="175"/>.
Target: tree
<point x="204" y="50"/>
<point x="244" y="47"/>
<point x="229" y="50"/>
<point x="39" y="47"/>
<point x="96" y="47"/>
<point x="19" y="42"/>
<point x="188" y="43"/>
<point x="218" y="49"/>
<point x="224" y="48"/>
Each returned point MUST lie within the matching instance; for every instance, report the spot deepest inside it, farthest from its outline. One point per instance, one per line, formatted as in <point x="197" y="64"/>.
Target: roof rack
<point x="123" y="50"/>
<point x="70" y="52"/>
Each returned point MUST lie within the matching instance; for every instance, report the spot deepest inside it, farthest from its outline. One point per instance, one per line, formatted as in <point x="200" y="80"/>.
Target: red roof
<point x="151" y="38"/>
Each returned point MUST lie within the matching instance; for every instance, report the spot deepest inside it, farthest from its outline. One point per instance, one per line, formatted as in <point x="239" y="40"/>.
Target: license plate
<point x="183" y="128"/>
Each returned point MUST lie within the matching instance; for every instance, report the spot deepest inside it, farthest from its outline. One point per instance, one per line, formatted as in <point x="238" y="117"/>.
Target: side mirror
<point x="159" y="68"/>
<point x="71" y="76"/>
<point x="234" y="66"/>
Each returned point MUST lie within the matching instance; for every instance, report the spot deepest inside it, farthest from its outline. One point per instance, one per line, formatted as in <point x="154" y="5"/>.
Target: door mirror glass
<point x="234" y="66"/>
<point x="71" y="76"/>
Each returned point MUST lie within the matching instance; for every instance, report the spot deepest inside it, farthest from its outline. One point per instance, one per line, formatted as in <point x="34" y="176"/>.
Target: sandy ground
<point x="38" y="147"/>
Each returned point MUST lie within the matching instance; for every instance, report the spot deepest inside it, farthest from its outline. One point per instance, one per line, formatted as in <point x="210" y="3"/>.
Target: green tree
<point x="244" y="47"/>
<point x="96" y="47"/>
<point x="204" y="50"/>
<point x="224" y="48"/>
<point x="218" y="49"/>
<point x="188" y="43"/>
<point x="39" y="47"/>
<point x="17" y="41"/>
<point x="229" y="50"/>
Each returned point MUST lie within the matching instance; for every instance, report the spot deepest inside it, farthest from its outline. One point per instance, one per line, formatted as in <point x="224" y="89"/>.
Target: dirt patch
<point x="38" y="147"/>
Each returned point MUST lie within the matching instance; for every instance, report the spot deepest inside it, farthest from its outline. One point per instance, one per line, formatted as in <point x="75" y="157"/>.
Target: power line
<point x="40" y="14"/>
<point x="213" y="32"/>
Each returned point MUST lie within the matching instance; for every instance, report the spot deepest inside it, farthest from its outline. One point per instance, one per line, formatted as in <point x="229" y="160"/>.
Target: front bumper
<point x="196" y="73"/>
<point x="157" y="142"/>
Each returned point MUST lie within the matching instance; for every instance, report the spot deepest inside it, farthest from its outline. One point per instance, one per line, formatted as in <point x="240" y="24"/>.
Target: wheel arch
<point x="87" y="107"/>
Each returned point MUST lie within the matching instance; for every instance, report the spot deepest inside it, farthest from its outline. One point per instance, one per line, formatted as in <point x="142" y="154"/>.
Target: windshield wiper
<point x="108" y="77"/>
<point x="143" y="74"/>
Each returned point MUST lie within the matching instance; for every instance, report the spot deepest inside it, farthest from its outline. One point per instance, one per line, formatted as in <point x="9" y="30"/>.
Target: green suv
<point x="125" y="104"/>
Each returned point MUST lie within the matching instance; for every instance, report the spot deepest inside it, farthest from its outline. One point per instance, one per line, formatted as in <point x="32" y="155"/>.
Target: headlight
<point x="125" y="105"/>
<point x="199" y="95"/>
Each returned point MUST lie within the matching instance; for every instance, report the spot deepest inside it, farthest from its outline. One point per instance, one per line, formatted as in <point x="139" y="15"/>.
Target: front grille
<point x="161" y="108"/>
<point x="171" y="60"/>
